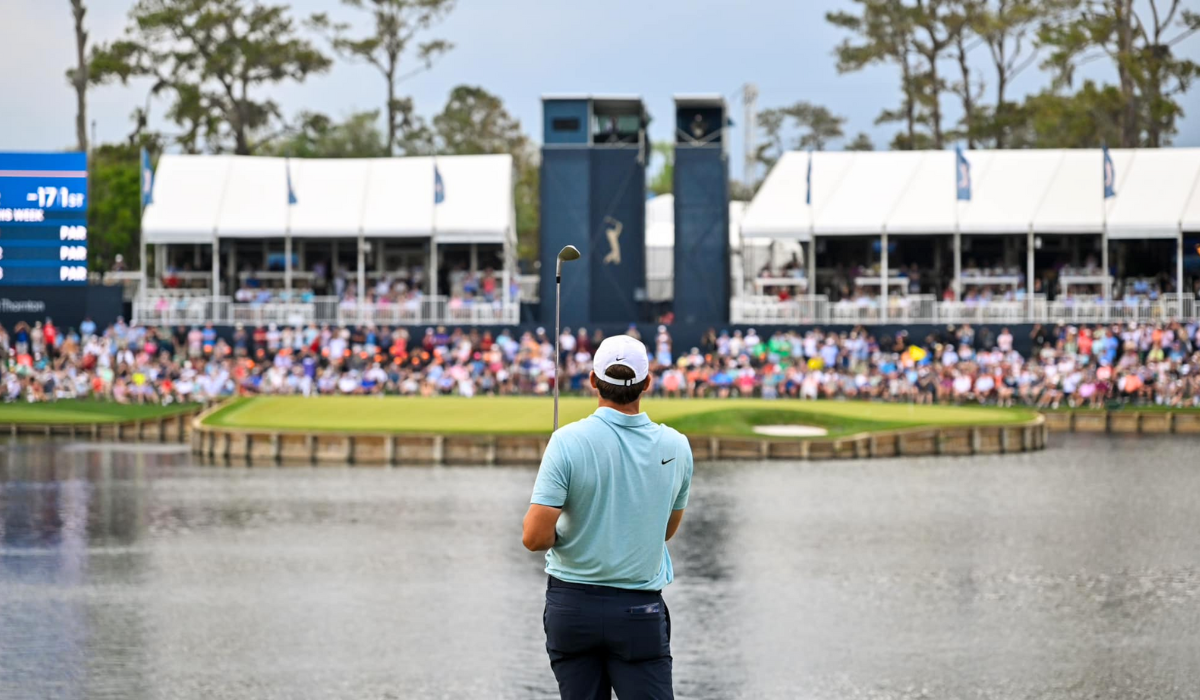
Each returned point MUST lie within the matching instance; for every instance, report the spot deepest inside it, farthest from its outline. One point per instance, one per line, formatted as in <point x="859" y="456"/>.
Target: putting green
<point x="531" y="415"/>
<point x="85" y="412"/>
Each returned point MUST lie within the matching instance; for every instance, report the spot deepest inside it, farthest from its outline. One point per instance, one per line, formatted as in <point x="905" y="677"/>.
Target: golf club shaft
<point x="557" y="322"/>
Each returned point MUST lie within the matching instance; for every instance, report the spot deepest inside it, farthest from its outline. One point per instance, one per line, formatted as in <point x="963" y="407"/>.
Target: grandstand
<point x="830" y="238"/>
<point x="889" y="239"/>
<point x="341" y="241"/>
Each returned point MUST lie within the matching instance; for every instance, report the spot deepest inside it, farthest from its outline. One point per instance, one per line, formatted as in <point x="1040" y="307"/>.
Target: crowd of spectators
<point x="1063" y="365"/>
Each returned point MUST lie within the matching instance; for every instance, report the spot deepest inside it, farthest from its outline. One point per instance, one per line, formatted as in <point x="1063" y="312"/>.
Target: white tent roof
<point x="1008" y="189"/>
<point x="924" y="208"/>
<point x="254" y="202"/>
<point x="660" y="223"/>
<point x="779" y="209"/>
<point x="197" y="197"/>
<point x="1054" y="191"/>
<point x="187" y="199"/>
<point x="871" y="186"/>
<point x="1151" y="200"/>
<point x="1191" y="215"/>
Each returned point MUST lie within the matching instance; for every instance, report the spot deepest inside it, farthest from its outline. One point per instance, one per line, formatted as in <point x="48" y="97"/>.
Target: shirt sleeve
<point x="685" y="488"/>
<point x="553" y="478"/>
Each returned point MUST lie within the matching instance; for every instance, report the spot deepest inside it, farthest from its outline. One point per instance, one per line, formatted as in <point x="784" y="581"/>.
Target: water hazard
<point x="1070" y="573"/>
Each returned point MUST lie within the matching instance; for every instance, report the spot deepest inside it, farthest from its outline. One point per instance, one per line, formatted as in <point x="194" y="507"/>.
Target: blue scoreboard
<point x="43" y="219"/>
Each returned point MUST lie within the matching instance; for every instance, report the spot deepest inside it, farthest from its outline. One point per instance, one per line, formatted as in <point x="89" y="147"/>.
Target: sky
<point x="520" y="50"/>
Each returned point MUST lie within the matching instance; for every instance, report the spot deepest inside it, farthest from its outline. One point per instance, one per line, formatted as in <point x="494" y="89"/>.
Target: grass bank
<point x="531" y="416"/>
<point x="84" y="412"/>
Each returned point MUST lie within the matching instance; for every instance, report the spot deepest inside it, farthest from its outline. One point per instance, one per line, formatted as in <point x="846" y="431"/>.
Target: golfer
<point x="609" y="494"/>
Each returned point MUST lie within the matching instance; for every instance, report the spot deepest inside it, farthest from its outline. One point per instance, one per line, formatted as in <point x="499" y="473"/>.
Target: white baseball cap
<point x="622" y="350"/>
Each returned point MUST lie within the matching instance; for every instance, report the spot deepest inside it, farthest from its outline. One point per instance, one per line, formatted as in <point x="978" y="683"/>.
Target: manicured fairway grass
<point x="85" y="412"/>
<point x="529" y="415"/>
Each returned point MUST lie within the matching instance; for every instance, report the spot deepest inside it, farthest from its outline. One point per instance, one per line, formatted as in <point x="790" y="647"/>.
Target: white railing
<point x="530" y="287"/>
<point x="179" y="309"/>
<point x="770" y="310"/>
<point x="927" y="310"/>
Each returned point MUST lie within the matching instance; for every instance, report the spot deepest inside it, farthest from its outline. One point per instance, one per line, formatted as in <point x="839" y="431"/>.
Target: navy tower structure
<point x="593" y="185"/>
<point x="701" y="187"/>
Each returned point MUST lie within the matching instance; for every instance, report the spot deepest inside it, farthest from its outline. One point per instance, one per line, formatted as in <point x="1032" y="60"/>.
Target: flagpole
<point x="1104" y="232"/>
<point x="433" y="258"/>
<point x="287" y="234"/>
<point x="142" y="284"/>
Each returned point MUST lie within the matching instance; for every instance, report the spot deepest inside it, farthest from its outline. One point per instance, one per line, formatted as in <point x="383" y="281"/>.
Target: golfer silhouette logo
<point x="614" y="241"/>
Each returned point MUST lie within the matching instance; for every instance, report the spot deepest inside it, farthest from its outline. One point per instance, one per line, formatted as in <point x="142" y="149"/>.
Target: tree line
<point x="933" y="45"/>
<point x="212" y="63"/>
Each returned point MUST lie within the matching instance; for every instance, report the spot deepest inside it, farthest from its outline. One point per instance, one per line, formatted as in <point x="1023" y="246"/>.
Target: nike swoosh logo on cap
<point x="668" y="461"/>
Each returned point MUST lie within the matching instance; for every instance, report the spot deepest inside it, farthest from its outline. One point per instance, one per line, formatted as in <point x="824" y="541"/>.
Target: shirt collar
<point x="615" y="417"/>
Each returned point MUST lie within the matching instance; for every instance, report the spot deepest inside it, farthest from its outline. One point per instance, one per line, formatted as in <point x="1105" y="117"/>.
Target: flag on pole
<point x="287" y="163"/>
<point x="963" y="176"/>
<point x="1110" y="176"/>
<point x="439" y="189"/>
<point x="808" y="194"/>
<point x="147" y="179"/>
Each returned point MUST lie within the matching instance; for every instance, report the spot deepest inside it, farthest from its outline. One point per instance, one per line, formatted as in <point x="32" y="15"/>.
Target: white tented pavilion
<point x="260" y="240"/>
<point x="744" y="256"/>
<point x="1037" y="239"/>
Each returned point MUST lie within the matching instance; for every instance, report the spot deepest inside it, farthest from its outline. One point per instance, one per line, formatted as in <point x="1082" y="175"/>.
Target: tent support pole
<point x="812" y="267"/>
<point x="287" y="264"/>
<point x="216" y="277"/>
<point x="1179" y="269"/>
<point x="957" y="264"/>
<point x="1104" y="264"/>
<point x="362" y="272"/>
<point x="1029" y="286"/>
<point x="883" y="273"/>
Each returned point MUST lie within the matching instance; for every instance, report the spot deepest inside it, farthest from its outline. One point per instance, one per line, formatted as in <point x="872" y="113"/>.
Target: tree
<point x="884" y="30"/>
<point x="216" y="57"/>
<point x="78" y="76"/>
<point x="397" y="23"/>
<point x="1008" y="28"/>
<point x="114" y="214"/>
<point x="801" y="126"/>
<point x="664" y="180"/>
<point x="1150" y="76"/>
<point x="862" y="142"/>
<point x="936" y="29"/>
<point x="819" y="125"/>
<point x="318" y="136"/>
<point x="474" y="121"/>
<point x="1089" y="118"/>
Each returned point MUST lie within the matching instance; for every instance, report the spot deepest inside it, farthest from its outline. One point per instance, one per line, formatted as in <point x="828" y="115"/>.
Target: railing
<point x="177" y="309"/>
<point x="770" y="310"/>
<point x="924" y="309"/>
<point x="530" y="287"/>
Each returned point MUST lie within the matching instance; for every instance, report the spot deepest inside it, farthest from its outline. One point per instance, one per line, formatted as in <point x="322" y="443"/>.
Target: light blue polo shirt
<point x="617" y="478"/>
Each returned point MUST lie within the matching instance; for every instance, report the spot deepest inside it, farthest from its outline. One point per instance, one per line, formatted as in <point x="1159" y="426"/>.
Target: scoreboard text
<point x="43" y="219"/>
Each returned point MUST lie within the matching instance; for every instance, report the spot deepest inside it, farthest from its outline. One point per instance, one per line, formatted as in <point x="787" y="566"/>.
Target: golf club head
<point x="569" y="253"/>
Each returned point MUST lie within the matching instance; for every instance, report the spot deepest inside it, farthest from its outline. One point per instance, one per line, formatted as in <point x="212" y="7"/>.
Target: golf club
<point x="567" y="254"/>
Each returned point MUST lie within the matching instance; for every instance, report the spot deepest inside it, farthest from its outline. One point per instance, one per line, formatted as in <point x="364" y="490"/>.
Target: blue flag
<point x="808" y="194"/>
<point x="963" y="176"/>
<point x="291" y="193"/>
<point x="147" y="179"/>
<point x="1110" y="176"/>
<point x="439" y="189"/>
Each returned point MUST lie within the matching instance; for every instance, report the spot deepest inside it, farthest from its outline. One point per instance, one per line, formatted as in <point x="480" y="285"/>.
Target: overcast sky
<point x="519" y="49"/>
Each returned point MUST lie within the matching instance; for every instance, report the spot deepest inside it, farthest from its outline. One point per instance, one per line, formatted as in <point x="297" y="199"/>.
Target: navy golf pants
<point x="602" y="639"/>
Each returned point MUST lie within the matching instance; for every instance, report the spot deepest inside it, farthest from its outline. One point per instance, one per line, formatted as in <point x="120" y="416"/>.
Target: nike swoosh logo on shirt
<point x="668" y="461"/>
